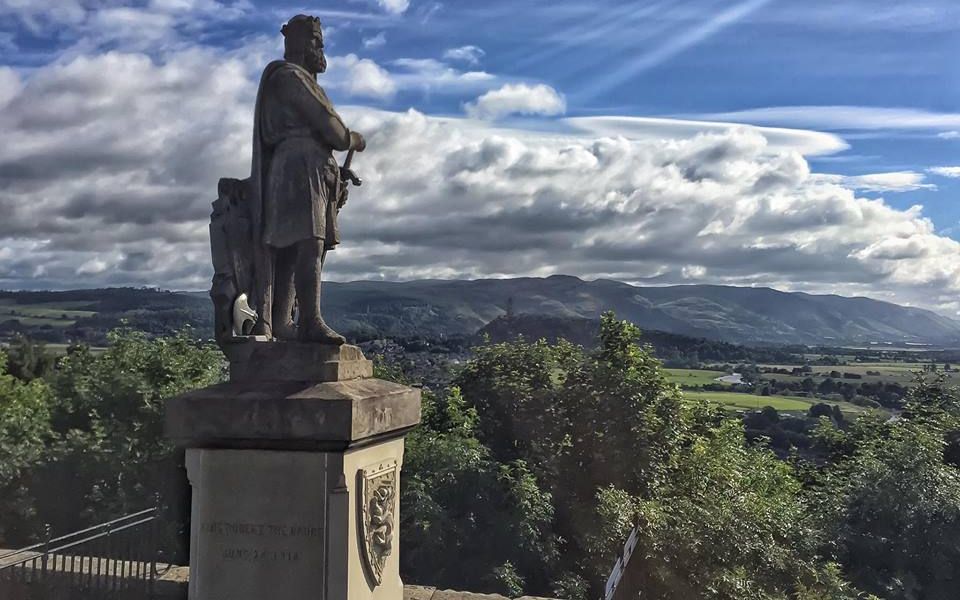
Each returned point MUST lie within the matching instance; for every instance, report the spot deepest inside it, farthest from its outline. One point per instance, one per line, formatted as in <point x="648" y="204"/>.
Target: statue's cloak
<point x="260" y="163"/>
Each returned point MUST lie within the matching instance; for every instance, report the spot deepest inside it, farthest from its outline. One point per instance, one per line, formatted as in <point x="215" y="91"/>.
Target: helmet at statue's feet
<point x="320" y="332"/>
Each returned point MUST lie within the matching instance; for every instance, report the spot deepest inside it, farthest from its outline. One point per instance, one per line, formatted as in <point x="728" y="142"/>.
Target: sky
<point x="808" y="146"/>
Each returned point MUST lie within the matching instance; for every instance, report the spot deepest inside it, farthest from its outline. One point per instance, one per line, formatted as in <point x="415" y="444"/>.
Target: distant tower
<point x="510" y="307"/>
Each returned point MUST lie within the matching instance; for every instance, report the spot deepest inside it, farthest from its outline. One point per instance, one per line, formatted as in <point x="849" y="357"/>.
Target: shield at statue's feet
<point x="377" y="490"/>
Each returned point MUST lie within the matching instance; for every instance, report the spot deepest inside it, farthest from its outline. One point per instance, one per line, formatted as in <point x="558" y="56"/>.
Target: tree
<point x="28" y="359"/>
<point x="112" y="457"/>
<point x="889" y="499"/>
<point x="730" y="524"/>
<point x="616" y="444"/>
<point x="24" y="434"/>
<point x="468" y="521"/>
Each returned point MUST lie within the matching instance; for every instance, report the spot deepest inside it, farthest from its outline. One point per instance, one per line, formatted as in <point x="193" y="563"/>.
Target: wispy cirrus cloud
<point x="674" y="43"/>
<point x="804" y="142"/>
<point x="892" y="182"/>
<point x="843" y="118"/>
<point x="468" y="54"/>
<point x="375" y="41"/>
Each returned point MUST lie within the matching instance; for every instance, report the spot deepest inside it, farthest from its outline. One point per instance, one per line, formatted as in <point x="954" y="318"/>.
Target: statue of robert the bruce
<point x="295" y="187"/>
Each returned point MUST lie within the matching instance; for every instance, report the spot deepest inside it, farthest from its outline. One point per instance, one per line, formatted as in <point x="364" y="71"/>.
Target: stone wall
<point x="172" y="585"/>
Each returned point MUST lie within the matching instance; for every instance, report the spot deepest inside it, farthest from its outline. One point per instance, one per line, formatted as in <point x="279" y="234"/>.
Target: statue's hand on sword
<point x="348" y="176"/>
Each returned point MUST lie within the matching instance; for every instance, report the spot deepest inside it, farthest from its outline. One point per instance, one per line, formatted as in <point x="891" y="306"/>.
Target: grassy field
<point x="902" y="373"/>
<point x="693" y="378"/>
<point x="57" y="314"/>
<point x="739" y="401"/>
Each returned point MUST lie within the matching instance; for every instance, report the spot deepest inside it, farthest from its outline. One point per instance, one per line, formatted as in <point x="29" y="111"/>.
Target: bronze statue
<point x="289" y="205"/>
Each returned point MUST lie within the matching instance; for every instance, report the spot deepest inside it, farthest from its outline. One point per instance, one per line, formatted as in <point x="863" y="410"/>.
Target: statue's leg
<point x="263" y="267"/>
<point x="312" y="328"/>
<point x="283" y="293"/>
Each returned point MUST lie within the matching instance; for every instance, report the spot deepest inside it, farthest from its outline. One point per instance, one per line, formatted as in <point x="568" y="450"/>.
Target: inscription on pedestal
<point x="260" y="524"/>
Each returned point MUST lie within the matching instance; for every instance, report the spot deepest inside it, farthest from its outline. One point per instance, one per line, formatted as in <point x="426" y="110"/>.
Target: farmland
<point x="54" y="314"/>
<point x="743" y="401"/>
<point x="739" y="397"/>
<point x="693" y="378"/>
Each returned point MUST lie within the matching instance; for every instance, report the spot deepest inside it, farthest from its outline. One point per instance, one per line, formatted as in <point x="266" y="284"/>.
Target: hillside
<point x="739" y="315"/>
<point x="446" y="307"/>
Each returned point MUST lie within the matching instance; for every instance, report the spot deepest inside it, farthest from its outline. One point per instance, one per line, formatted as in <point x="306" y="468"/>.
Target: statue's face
<point x="313" y="53"/>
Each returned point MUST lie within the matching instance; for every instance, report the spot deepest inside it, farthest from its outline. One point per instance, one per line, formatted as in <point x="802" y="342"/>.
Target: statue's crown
<point x="299" y="25"/>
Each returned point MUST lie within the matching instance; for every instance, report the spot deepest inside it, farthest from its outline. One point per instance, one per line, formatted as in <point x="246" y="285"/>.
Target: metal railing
<point x="112" y="560"/>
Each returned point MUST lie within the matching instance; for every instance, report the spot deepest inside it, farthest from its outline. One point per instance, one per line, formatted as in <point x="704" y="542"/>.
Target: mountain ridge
<point x="431" y="307"/>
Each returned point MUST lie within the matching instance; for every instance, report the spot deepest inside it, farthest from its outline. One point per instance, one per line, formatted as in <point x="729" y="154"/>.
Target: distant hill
<point x="733" y="314"/>
<point x="673" y="348"/>
<point x="437" y="307"/>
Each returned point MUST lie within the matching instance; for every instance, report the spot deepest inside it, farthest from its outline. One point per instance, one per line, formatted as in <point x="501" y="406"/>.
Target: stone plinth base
<point x="288" y="415"/>
<point x="295" y="469"/>
<point x="294" y="525"/>
<point x="252" y="360"/>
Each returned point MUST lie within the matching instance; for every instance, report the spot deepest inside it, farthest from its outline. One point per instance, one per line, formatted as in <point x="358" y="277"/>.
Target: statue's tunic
<point x="298" y="129"/>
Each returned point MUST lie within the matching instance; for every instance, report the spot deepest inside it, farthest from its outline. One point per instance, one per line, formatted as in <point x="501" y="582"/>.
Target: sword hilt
<point x="347" y="174"/>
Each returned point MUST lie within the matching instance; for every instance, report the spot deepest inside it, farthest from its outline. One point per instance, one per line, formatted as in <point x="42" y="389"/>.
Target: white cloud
<point x="807" y="143"/>
<point x="949" y="135"/>
<point x="360" y="77"/>
<point x="9" y="85"/>
<point x="395" y="7"/>
<point x="434" y="76"/>
<point x="468" y="54"/>
<point x="896" y="181"/>
<point x="953" y="172"/>
<point x="109" y="164"/>
<point x="376" y="41"/>
<point x="517" y="98"/>
<point x="839" y="118"/>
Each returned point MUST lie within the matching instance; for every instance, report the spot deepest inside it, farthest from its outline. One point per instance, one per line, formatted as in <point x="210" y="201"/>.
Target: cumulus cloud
<point x="517" y="98"/>
<point x="949" y="135"/>
<point x="110" y="162"/>
<point x="468" y="54"/>
<point x="952" y="172"/>
<point x="396" y="7"/>
<point x="360" y="77"/>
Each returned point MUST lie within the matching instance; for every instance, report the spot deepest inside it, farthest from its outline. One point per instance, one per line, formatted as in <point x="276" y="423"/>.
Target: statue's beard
<point x="316" y="63"/>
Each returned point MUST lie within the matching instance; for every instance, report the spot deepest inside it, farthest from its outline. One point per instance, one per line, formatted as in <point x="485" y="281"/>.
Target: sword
<point x="347" y="174"/>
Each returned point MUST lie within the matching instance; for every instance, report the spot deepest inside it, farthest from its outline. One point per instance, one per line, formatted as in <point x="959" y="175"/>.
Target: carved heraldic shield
<point x="377" y="492"/>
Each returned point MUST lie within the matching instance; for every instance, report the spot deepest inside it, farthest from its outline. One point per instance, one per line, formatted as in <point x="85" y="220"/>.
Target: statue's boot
<point x="318" y="331"/>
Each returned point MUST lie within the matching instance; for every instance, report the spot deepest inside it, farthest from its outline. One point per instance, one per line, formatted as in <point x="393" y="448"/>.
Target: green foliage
<point x="615" y="445"/>
<point x="889" y="501"/>
<point x="24" y="434"/>
<point x="85" y="443"/>
<point x="469" y="521"/>
<point x="529" y="474"/>
<point x="109" y="414"/>
<point x="28" y="359"/>
<point x="729" y="524"/>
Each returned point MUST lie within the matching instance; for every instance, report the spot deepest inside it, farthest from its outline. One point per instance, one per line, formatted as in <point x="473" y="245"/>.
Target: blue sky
<point x="867" y="90"/>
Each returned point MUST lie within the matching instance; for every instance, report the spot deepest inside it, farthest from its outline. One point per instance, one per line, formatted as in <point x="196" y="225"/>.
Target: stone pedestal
<point x="295" y="476"/>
